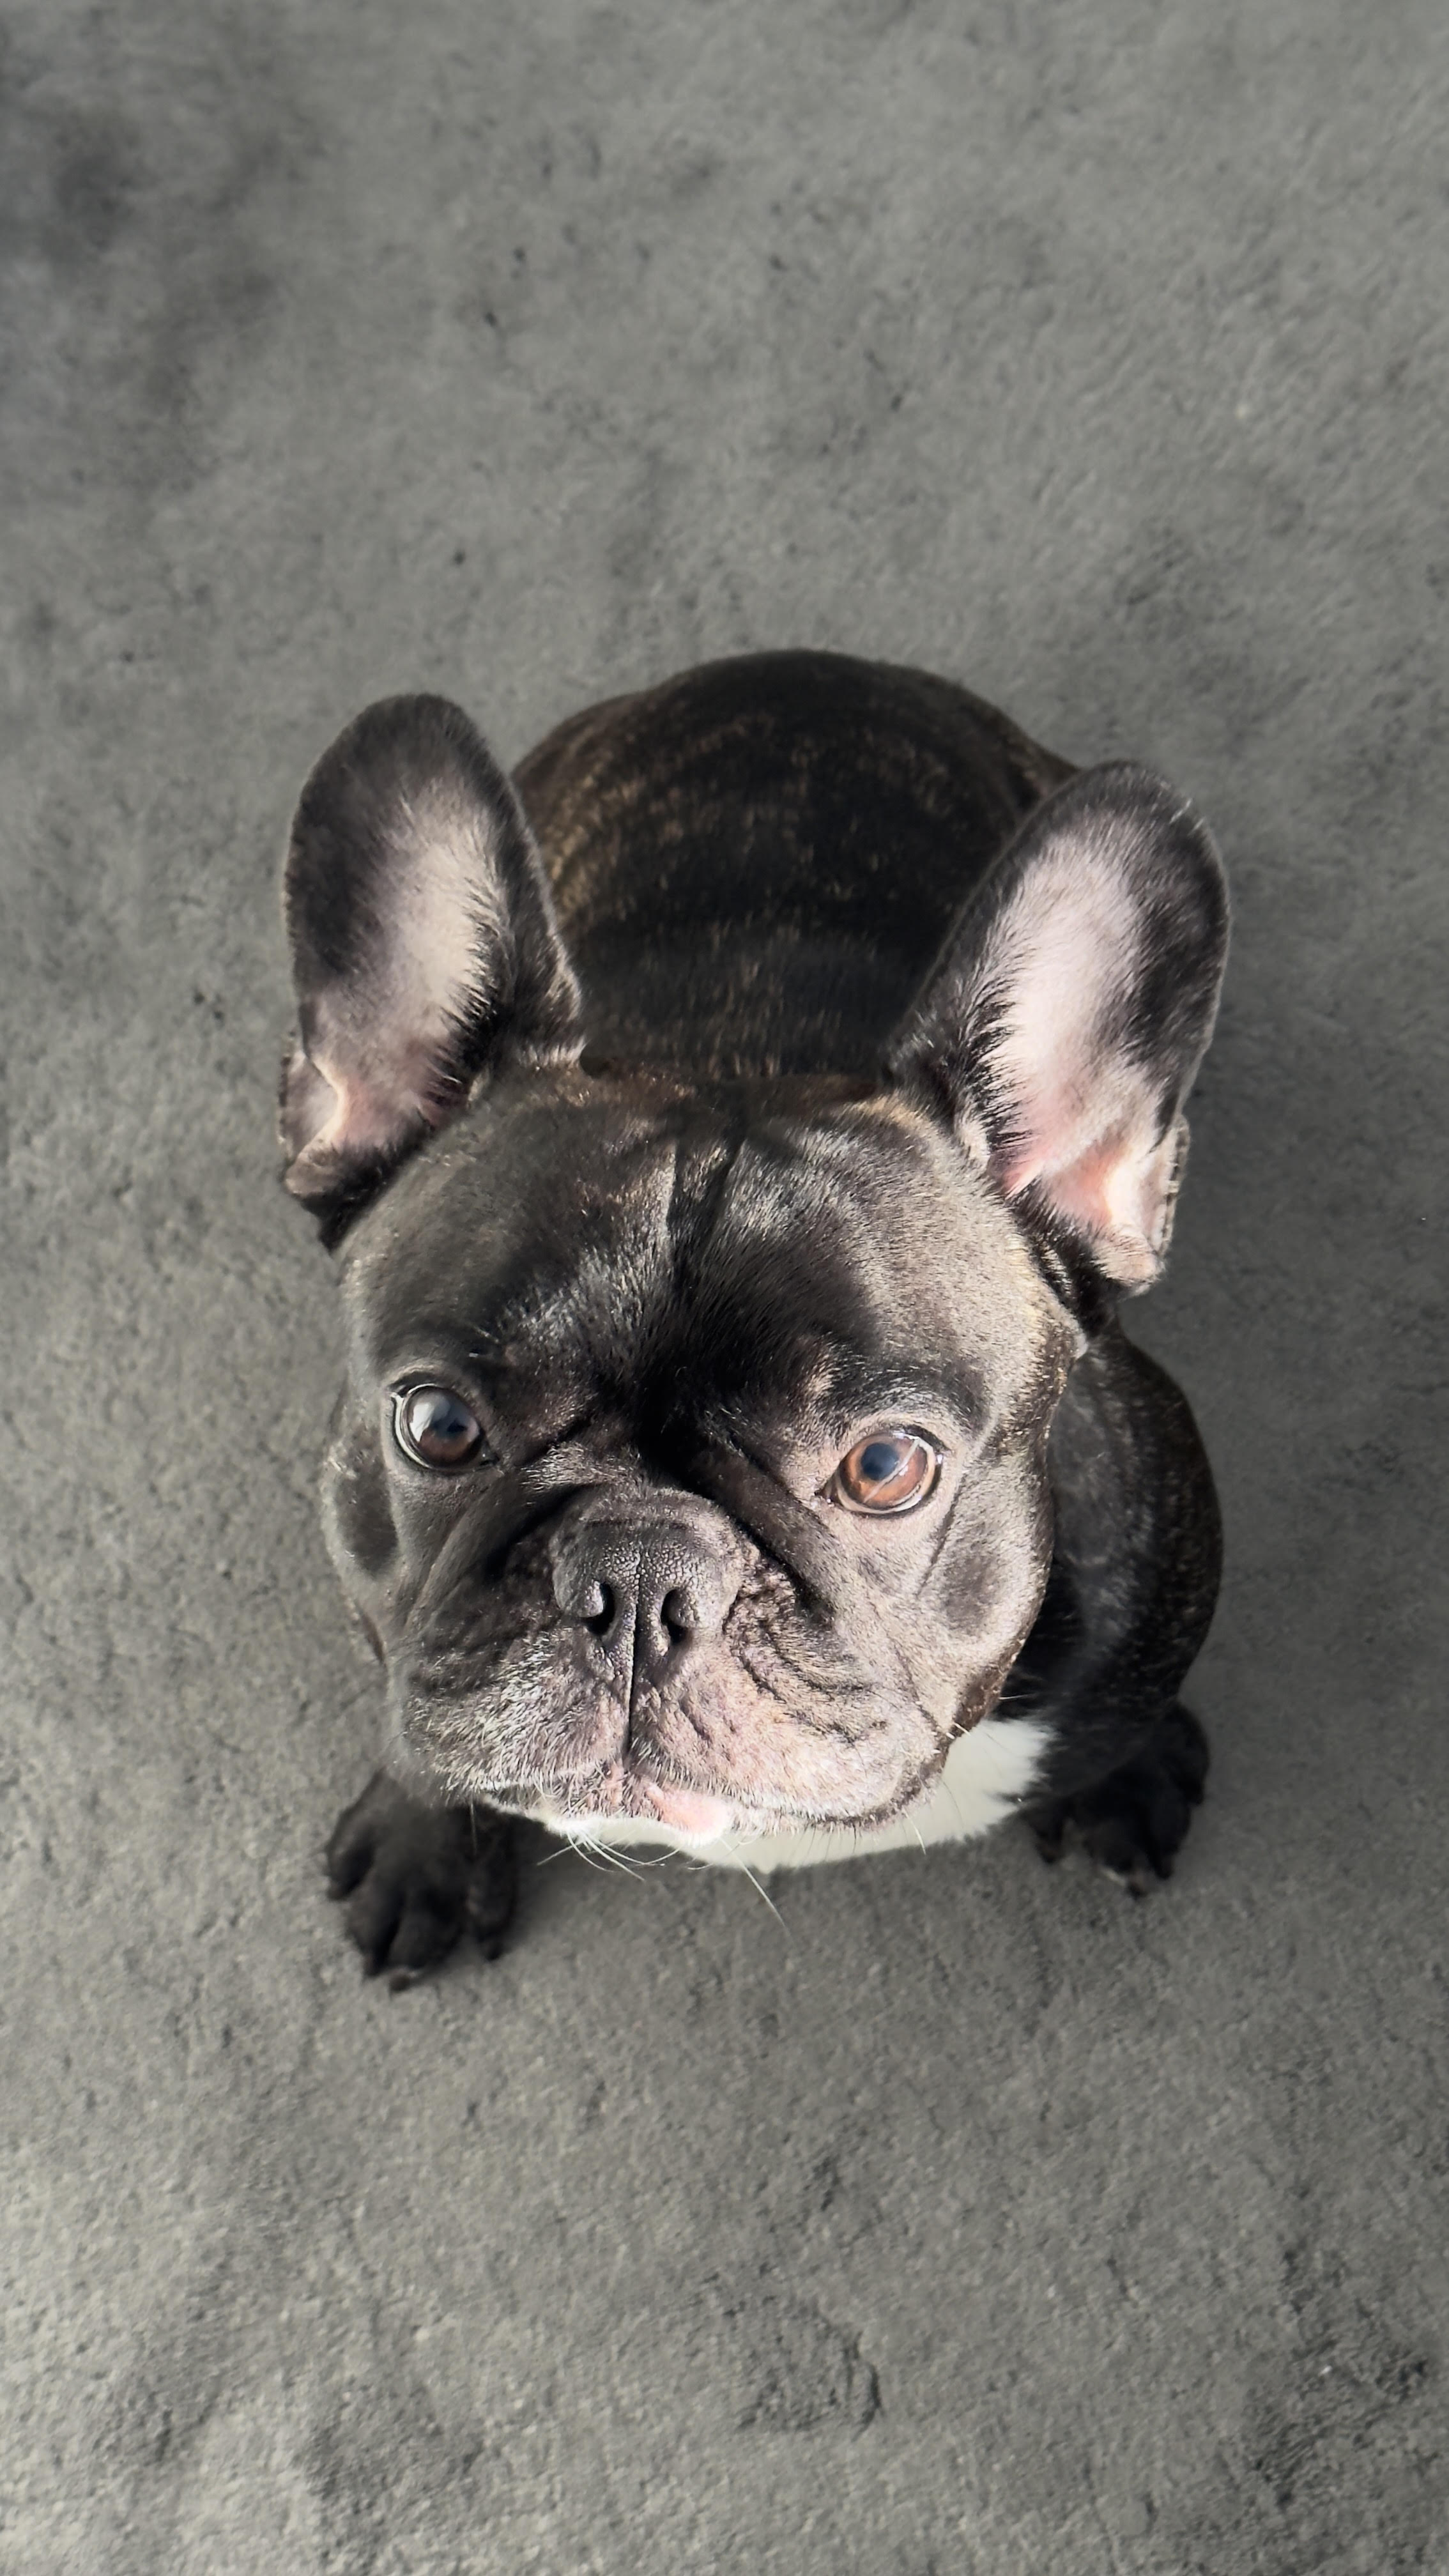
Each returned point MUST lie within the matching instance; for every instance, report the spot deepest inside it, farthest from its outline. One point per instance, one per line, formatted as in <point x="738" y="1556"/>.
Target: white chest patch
<point x="985" y="1773"/>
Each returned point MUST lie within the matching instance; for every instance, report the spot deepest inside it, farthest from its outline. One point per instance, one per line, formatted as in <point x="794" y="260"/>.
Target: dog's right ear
<point x="424" y="948"/>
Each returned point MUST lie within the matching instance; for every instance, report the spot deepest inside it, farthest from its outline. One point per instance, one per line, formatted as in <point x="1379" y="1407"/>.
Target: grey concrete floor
<point x="971" y="2220"/>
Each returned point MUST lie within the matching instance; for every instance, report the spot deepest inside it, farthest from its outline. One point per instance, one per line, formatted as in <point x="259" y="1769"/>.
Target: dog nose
<point x="647" y="1592"/>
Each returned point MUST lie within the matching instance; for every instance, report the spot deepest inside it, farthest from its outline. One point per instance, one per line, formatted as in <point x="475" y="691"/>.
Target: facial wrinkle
<point x="702" y="1177"/>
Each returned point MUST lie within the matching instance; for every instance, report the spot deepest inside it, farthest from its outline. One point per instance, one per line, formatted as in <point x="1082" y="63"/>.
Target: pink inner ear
<point x="1082" y="1189"/>
<point x="1083" y="1117"/>
<point x="1119" y="1193"/>
<point x="349" y="1102"/>
<point x="374" y="1106"/>
<point x="381" y="1045"/>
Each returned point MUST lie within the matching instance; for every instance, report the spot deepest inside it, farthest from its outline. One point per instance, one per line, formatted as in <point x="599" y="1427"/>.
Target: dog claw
<point x="415" y="1877"/>
<point x="1133" y="1822"/>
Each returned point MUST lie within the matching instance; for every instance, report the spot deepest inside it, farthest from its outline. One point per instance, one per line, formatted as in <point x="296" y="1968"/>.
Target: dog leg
<point x="1136" y="1820"/>
<point x="415" y="1877"/>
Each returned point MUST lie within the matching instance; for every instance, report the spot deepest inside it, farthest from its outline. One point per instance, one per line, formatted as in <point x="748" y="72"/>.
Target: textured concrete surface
<point x="969" y="2218"/>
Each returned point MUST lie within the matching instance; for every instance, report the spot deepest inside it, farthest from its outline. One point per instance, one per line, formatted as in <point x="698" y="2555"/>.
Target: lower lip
<point x="699" y="1820"/>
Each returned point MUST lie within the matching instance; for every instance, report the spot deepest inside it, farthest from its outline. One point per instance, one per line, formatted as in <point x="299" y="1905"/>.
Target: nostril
<point x="677" y="1614"/>
<point x="599" y="1608"/>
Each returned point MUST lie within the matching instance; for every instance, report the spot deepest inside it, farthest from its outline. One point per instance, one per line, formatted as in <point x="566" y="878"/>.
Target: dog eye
<point x="887" y="1473"/>
<point x="434" y="1427"/>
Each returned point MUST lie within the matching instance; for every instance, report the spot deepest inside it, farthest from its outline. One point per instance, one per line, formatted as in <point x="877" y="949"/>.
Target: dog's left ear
<point x="1070" y="1008"/>
<point x="424" y="947"/>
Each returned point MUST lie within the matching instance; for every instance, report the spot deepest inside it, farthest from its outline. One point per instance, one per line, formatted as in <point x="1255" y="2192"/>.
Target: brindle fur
<point x="752" y="869"/>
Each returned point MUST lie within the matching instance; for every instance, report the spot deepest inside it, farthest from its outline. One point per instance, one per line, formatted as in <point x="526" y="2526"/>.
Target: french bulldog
<point x="737" y="1132"/>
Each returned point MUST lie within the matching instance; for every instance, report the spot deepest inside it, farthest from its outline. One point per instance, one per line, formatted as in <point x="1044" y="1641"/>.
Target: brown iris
<point x="435" y="1427"/>
<point x="889" y="1472"/>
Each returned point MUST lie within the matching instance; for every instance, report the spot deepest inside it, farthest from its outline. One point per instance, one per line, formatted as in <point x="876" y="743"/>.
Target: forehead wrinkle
<point x="774" y="1313"/>
<point x="704" y="1166"/>
<point x="623" y="1280"/>
<point x="859" y="1249"/>
<point x="811" y="1210"/>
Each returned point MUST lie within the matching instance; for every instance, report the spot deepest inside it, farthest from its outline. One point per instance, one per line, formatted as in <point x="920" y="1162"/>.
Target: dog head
<point x="691" y="1464"/>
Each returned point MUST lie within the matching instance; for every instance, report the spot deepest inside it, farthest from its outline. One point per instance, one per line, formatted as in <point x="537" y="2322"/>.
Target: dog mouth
<point x="623" y="1794"/>
<point x="721" y="1752"/>
<point x="698" y="1818"/>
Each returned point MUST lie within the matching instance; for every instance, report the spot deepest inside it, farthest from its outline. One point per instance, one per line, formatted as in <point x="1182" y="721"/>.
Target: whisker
<point x="597" y="1854"/>
<point x="612" y="1859"/>
<point x="765" y="1898"/>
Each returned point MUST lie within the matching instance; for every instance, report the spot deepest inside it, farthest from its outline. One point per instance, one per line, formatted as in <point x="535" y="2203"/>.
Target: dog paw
<point x="1133" y="1823"/>
<point x="414" y="1878"/>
